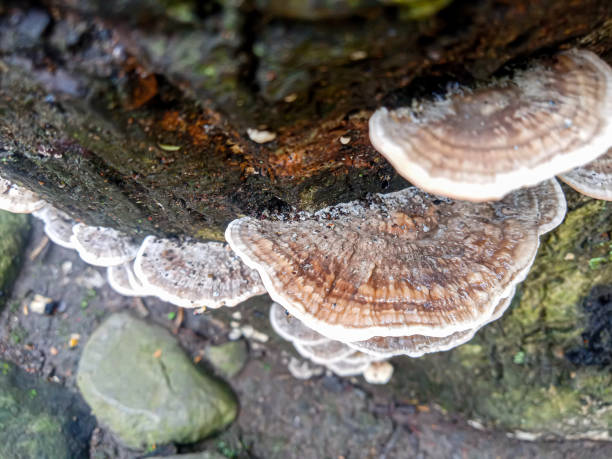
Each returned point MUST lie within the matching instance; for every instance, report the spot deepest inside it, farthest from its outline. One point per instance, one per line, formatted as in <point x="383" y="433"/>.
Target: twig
<point x="178" y="320"/>
<point x="140" y="307"/>
<point x="39" y="248"/>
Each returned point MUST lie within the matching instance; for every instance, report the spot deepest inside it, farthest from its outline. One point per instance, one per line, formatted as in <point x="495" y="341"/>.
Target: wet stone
<point x="228" y="358"/>
<point x="141" y="384"/>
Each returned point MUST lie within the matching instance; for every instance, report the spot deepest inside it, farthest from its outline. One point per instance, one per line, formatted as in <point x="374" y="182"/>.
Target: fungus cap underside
<point x="291" y="328"/>
<point x="325" y="352"/>
<point x="58" y="225"/>
<point x="593" y="179"/>
<point x="419" y="345"/>
<point x="119" y="280"/>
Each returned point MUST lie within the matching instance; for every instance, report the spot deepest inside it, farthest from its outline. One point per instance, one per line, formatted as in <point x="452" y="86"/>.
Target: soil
<point x="280" y="417"/>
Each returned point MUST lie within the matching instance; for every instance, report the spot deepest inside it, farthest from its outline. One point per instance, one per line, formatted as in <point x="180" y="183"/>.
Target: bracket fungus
<point x="378" y="373"/>
<point x="481" y="143"/>
<point x="17" y="199"/>
<point x="349" y="367"/>
<point x="119" y="280"/>
<point x="401" y="264"/>
<point x="324" y="353"/>
<point x="593" y="179"/>
<point x="419" y="345"/>
<point x="101" y="246"/>
<point x="291" y="329"/>
<point x="135" y="283"/>
<point x="195" y="274"/>
<point x="58" y="225"/>
<point x="338" y="357"/>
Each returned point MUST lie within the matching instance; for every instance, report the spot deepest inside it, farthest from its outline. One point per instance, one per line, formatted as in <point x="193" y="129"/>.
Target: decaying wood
<point x="135" y="115"/>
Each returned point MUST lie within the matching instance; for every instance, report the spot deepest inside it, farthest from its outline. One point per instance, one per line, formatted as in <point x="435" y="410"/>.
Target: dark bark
<point x="97" y="96"/>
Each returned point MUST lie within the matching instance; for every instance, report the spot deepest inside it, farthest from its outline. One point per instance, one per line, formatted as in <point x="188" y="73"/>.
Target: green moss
<point x="14" y="230"/>
<point x="210" y="234"/>
<point x="420" y="9"/>
<point x="38" y="419"/>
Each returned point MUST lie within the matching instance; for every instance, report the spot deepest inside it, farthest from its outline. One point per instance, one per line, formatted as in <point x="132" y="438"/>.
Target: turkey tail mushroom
<point x="481" y="143"/>
<point x="401" y="264"/>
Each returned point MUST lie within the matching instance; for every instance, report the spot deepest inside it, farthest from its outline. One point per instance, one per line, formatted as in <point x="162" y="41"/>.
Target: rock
<point x="544" y="368"/>
<point x="40" y="419"/>
<point x="14" y="230"/>
<point x="141" y="384"/>
<point x="228" y="358"/>
<point x="200" y="455"/>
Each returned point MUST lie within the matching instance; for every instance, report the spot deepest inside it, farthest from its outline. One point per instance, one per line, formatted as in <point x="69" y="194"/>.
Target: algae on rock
<point x="14" y="230"/>
<point x="40" y="419"/>
<point x="141" y="384"/>
<point x="228" y="358"/>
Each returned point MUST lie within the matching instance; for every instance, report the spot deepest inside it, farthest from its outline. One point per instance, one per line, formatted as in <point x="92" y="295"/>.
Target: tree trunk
<point x="134" y="115"/>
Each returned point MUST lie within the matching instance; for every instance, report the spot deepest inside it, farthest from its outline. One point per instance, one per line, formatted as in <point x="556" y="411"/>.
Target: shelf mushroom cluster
<point x="405" y="273"/>
<point x="186" y="273"/>
<point x="17" y="199"/>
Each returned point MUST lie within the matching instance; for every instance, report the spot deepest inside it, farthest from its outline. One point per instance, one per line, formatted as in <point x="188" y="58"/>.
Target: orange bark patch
<point x="145" y="88"/>
<point x="333" y="147"/>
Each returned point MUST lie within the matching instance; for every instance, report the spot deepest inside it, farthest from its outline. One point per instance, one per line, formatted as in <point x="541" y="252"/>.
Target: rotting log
<point x="133" y="113"/>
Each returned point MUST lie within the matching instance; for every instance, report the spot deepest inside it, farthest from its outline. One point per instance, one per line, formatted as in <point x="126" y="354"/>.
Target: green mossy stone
<point x="200" y="455"/>
<point x="39" y="419"/>
<point x="140" y="383"/>
<point x="228" y="358"/>
<point x="14" y="229"/>
<point x="515" y="374"/>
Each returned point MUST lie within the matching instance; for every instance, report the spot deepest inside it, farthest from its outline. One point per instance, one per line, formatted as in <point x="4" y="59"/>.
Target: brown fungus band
<point x="481" y="143"/>
<point x="593" y="179"/>
<point x="400" y="264"/>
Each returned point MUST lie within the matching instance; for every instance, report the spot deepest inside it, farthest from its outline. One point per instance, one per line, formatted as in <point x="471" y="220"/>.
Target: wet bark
<point x="134" y="113"/>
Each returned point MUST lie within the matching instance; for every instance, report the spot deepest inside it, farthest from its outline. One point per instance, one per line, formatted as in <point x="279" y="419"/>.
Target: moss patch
<point x="14" y="230"/>
<point x="40" y="419"/>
